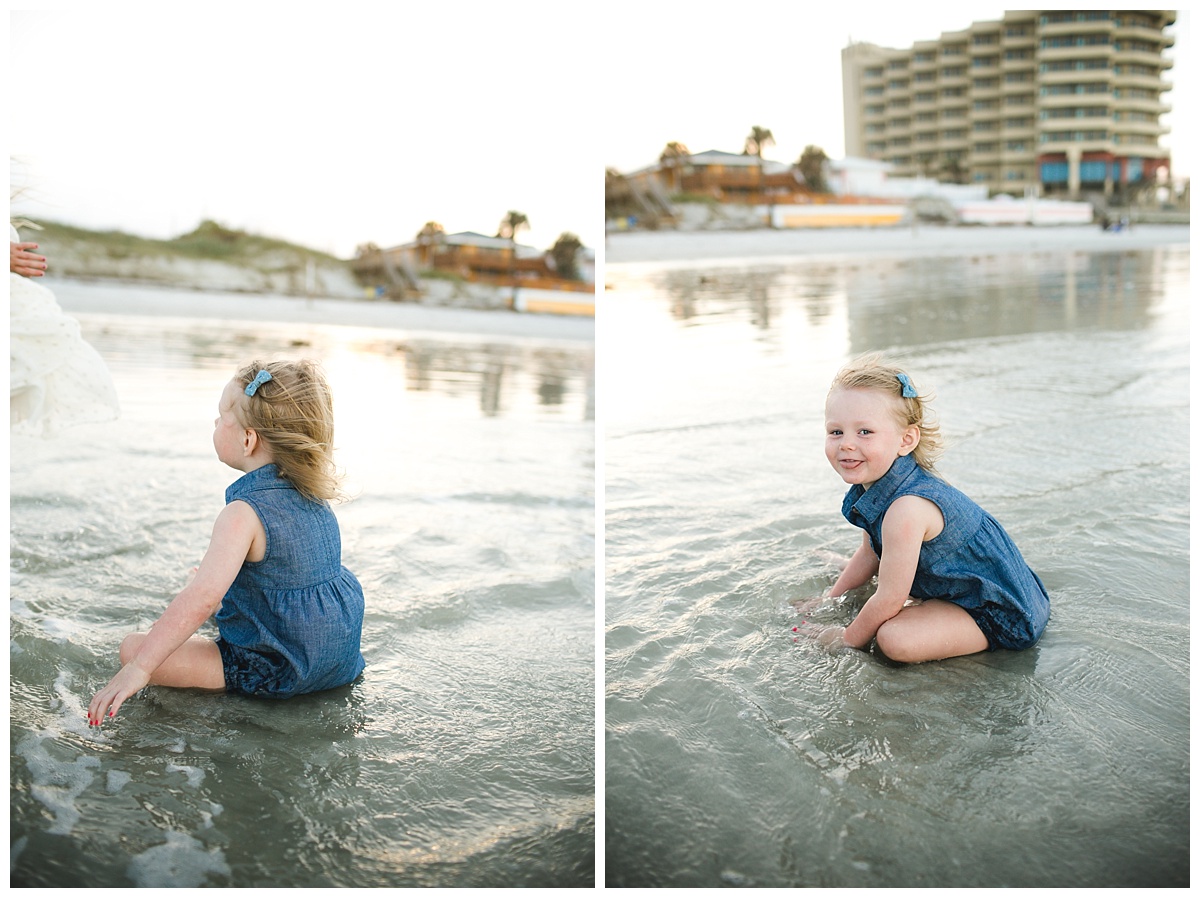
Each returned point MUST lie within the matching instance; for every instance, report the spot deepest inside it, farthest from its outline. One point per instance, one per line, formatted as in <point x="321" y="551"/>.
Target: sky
<point x="329" y="125"/>
<point x="337" y="125"/>
<point x="708" y="95"/>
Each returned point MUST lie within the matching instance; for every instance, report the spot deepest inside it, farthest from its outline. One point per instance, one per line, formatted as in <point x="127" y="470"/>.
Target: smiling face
<point x="865" y="433"/>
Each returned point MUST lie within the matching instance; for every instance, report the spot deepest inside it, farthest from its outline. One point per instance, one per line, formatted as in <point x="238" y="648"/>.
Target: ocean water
<point x="465" y="754"/>
<point x="739" y="755"/>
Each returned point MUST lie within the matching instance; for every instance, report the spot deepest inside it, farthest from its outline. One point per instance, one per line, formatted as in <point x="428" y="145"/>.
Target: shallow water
<point x="465" y="754"/>
<point x="735" y="755"/>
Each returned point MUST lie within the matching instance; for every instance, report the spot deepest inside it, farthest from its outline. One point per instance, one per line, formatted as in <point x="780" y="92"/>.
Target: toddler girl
<point x="288" y="613"/>
<point x="951" y="581"/>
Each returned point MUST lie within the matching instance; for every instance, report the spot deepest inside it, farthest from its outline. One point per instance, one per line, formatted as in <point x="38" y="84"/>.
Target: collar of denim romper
<point x="868" y="504"/>
<point x="265" y="478"/>
<point x="865" y="508"/>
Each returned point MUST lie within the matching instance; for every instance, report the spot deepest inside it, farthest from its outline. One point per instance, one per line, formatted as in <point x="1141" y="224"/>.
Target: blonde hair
<point x="292" y="413"/>
<point x="873" y="372"/>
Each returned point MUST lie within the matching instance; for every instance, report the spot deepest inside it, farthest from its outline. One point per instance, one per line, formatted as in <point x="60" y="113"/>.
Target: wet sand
<point x="86" y="297"/>
<point x="924" y="240"/>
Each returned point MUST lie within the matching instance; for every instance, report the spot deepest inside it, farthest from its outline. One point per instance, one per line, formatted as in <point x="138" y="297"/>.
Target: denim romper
<point x="973" y="562"/>
<point x="292" y="622"/>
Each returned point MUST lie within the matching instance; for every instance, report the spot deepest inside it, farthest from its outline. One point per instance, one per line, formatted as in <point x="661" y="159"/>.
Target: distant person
<point x="951" y="581"/>
<point x="55" y="378"/>
<point x="288" y="613"/>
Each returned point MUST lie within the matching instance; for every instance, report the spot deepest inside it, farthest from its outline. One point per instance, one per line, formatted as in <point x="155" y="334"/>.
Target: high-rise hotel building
<point x="1066" y="102"/>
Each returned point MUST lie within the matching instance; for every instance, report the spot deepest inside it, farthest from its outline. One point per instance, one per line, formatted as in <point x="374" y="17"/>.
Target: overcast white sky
<point x="707" y="93"/>
<point x="334" y="125"/>
<point x="327" y="124"/>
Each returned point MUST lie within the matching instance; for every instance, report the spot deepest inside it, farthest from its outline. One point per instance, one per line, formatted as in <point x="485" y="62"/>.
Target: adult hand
<point x="130" y="680"/>
<point x="22" y="261"/>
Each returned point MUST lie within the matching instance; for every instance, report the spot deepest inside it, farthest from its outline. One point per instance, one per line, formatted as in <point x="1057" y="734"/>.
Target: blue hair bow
<point x="259" y="379"/>
<point x="907" y="390"/>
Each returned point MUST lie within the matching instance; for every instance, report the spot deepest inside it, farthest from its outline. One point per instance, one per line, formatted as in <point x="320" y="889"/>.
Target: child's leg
<point x="196" y="664"/>
<point x="930" y="631"/>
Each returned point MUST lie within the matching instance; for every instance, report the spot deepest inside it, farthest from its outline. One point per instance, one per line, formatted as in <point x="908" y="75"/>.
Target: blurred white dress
<point x="56" y="378"/>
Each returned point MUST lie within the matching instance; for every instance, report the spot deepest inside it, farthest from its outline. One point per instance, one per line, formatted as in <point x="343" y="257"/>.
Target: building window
<point x="1075" y="112"/>
<point x="1060" y="18"/>
<point x="1073" y="65"/>
<point x="1074" y="40"/>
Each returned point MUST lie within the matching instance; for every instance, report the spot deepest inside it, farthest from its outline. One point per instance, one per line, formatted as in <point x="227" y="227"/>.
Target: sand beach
<point x="923" y="240"/>
<point x="738" y="754"/>
<point x="79" y="297"/>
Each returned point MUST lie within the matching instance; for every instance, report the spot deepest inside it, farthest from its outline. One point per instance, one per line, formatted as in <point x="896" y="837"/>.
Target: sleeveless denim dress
<point x="973" y="562"/>
<point x="292" y="622"/>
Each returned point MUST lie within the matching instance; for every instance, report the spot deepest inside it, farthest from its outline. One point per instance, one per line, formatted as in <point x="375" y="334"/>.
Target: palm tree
<point x="431" y="234"/>
<point x="565" y="252"/>
<point x="756" y="140"/>
<point x="952" y="170"/>
<point x="812" y="168"/>
<point x="512" y="223"/>
<point x="509" y="225"/>
<point x="672" y="157"/>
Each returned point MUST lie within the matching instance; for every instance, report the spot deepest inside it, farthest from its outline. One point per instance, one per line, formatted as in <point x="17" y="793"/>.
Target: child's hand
<point x="803" y="606"/>
<point x="829" y="638"/>
<point x="130" y="680"/>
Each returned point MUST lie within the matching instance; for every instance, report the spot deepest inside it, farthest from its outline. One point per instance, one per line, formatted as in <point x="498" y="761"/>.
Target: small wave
<point x="180" y="862"/>
<point x="54" y="782"/>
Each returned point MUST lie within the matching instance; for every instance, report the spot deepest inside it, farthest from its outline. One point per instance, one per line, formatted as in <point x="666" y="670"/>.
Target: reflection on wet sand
<point x="931" y="300"/>
<point x="503" y="375"/>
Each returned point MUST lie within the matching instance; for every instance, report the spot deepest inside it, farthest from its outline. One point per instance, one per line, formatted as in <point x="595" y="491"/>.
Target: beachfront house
<point x="470" y="256"/>
<point x="724" y="177"/>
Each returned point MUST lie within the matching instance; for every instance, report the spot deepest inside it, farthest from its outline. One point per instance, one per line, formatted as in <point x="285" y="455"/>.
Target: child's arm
<point x="234" y="533"/>
<point x="861" y="567"/>
<point x="908" y="522"/>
